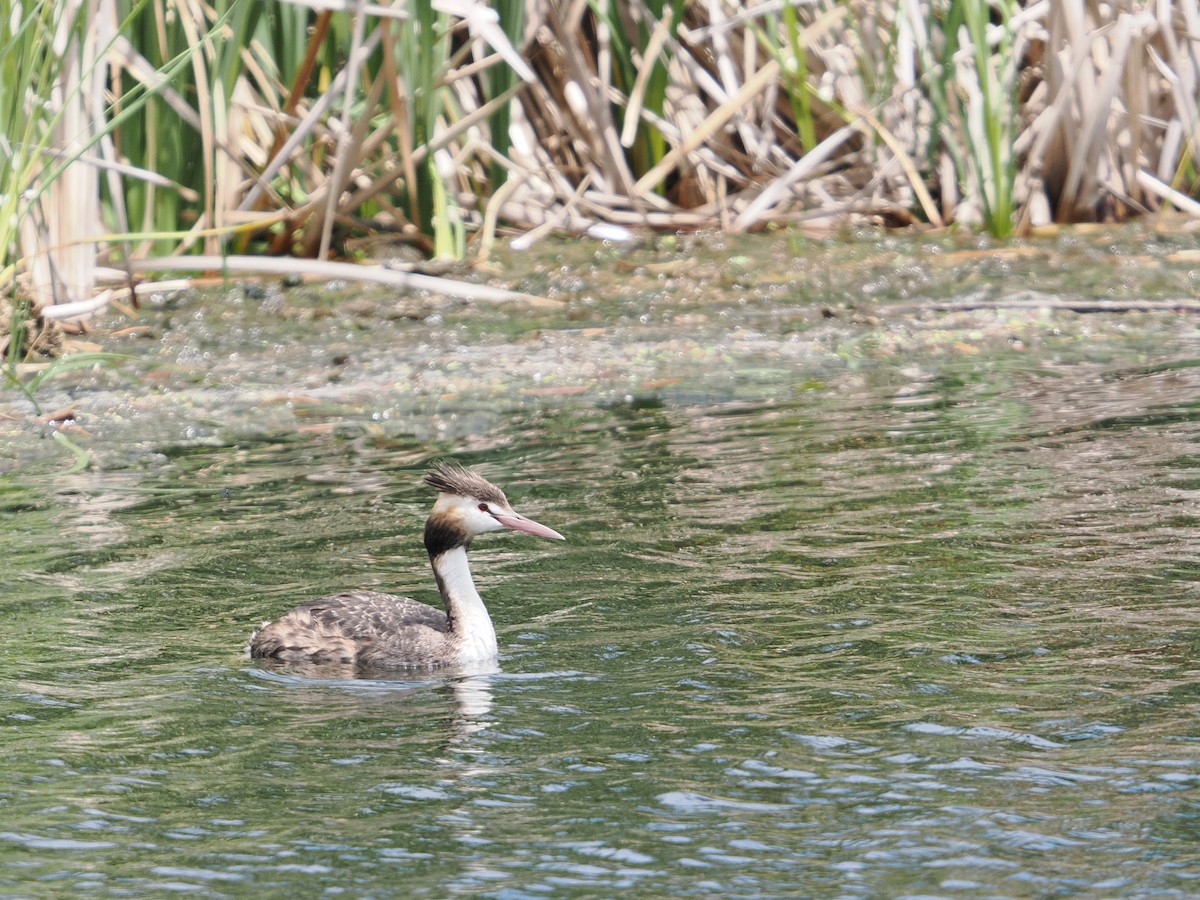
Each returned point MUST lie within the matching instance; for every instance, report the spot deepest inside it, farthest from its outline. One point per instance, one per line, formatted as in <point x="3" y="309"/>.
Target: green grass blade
<point x="83" y="458"/>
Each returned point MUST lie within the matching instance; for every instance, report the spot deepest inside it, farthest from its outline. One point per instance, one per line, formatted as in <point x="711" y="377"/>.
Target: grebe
<point x="381" y="631"/>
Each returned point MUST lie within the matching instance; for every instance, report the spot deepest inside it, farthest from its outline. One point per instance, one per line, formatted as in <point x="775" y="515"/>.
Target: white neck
<point x="470" y="625"/>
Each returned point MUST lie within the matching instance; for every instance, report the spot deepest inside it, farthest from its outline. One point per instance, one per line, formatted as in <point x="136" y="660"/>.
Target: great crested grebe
<point x="381" y="631"/>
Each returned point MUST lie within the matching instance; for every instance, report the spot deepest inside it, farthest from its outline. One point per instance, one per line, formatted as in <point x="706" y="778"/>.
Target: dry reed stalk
<point x="650" y="56"/>
<point x="345" y="137"/>
<point x="58" y="237"/>
<point x="1116" y="98"/>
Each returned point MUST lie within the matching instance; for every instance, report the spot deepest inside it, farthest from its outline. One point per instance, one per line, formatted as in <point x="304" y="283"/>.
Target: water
<point x="914" y="626"/>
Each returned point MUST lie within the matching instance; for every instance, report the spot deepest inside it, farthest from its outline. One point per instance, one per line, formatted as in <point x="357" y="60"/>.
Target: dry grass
<point x="304" y="124"/>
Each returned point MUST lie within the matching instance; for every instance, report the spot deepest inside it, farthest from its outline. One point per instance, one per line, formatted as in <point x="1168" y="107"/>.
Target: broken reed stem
<point x="316" y="268"/>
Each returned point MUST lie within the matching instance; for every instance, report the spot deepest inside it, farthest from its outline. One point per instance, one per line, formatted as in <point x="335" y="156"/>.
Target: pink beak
<point x="520" y="523"/>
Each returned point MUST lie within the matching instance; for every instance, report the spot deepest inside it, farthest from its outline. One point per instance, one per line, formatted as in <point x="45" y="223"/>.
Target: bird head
<point x="467" y="505"/>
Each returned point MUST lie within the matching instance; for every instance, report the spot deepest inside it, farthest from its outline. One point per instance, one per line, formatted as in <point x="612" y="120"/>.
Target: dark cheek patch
<point x="442" y="534"/>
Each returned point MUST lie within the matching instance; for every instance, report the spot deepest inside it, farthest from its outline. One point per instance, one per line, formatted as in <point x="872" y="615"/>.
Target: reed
<point x="971" y="78"/>
<point x="298" y="126"/>
<point x="47" y="65"/>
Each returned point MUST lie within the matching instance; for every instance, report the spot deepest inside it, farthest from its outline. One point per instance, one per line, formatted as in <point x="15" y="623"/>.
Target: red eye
<point x="483" y="507"/>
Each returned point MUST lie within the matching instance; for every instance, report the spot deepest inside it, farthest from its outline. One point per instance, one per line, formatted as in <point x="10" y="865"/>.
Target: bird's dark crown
<point x="449" y="477"/>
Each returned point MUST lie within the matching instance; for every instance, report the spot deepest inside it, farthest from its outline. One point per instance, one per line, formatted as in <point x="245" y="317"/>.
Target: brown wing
<point x="344" y="627"/>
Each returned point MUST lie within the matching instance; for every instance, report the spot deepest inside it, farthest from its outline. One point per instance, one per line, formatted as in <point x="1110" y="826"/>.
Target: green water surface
<point x="852" y="604"/>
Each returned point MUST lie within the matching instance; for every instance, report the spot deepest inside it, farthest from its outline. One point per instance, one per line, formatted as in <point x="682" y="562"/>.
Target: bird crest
<point x="449" y="477"/>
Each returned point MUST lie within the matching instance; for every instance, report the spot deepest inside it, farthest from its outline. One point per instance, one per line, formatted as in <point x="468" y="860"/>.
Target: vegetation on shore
<point x="134" y="129"/>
